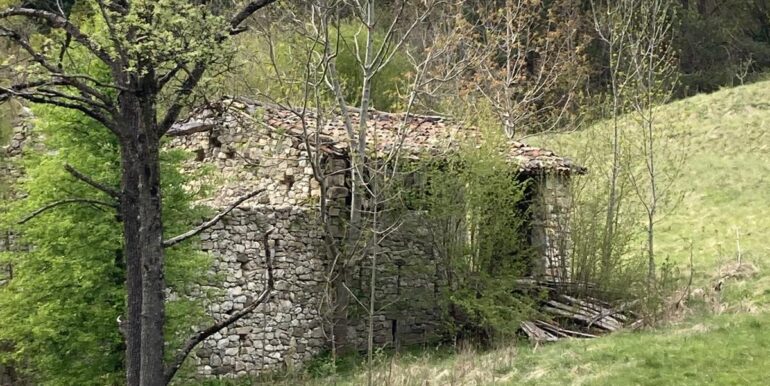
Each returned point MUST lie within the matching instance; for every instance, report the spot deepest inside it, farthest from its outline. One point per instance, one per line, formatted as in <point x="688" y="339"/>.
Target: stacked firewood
<point x="572" y="310"/>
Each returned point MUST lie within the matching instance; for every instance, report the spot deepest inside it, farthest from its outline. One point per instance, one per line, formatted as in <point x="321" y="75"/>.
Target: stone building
<point x="247" y="145"/>
<point x="251" y="145"/>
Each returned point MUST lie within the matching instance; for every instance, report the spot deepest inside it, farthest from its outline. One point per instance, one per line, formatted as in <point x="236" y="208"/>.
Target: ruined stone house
<point x="252" y="145"/>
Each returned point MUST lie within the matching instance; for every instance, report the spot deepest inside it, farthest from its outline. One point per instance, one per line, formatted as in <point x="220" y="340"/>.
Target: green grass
<point x="722" y="350"/>
<point x="725" y="177"/>
<point x="730" y="349"/>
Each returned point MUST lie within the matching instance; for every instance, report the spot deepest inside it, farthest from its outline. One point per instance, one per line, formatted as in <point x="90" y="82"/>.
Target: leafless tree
<point x="637" y="38"/>
<point x="523" y="60"/>
<point x="373" y="176"/>
<point x="654" y="70"/>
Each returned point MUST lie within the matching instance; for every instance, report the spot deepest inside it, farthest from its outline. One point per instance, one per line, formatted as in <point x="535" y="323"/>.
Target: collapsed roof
<point x="412" y="135"/>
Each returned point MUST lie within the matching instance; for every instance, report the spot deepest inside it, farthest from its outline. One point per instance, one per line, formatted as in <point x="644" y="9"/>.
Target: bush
<point x="472" y="203"/>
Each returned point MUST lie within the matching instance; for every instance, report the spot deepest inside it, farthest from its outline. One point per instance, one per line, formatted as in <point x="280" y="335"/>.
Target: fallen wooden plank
<point x="581" y="317"/>
<point x="562" y="330"/>
<point x="617" y="313"/>
<point x="603" y="313"/>
<point x="537" y="334"/>
<point x="588" y="315"/>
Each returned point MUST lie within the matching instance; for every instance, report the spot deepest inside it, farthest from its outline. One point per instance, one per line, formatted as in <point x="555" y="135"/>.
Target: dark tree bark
<point x="137" y="164"/>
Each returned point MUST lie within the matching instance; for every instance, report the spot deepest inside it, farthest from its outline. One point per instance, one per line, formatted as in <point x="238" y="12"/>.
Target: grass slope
<point x="725" y="177"/>
<point x="724" y="350"/>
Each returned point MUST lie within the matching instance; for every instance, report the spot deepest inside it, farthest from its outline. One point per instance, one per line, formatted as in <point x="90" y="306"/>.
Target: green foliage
<point x="722" y="44"/>
<point x="59" y="311"/>
<point x="172" y="31"/>
<point x="473" y="205"/>
<point x="386" y="83"/>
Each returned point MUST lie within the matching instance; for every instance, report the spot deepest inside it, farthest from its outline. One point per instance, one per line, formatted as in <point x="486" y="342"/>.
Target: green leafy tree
<point x="156" y="54"/>
<point x="59" y="311"/>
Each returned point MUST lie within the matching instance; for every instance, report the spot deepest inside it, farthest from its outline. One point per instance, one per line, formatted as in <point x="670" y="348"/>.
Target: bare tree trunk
<point x="372" y="298"/>
<point x="129" y="206"/>
<point x="612" y="23"/>
<point x="153" y="264"/>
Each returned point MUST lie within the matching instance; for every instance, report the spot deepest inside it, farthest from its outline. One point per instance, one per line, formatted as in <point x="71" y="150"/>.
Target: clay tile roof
<point x="415" y="134"/>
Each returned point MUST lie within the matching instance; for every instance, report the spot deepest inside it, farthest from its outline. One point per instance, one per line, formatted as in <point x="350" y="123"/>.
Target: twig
<point x="738" y="245"/>
<point x="201" y="335"/>
<point x="208" y="224"/>
<point x="63" y="202"/>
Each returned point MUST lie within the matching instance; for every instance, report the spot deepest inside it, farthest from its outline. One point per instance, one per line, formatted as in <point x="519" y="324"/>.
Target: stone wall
<point x="296" y="324"/>
<point x="9" y="173"/>
<point x="292" y="328"/>
<point x="409" y="297"/>
<point x="245" y="158"/>
<point x="288" y="330"/>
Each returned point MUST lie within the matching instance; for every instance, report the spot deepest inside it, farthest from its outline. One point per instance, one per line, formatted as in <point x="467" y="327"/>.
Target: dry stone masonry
<point x="289" y="329"/>
<point x="251" y="145"/>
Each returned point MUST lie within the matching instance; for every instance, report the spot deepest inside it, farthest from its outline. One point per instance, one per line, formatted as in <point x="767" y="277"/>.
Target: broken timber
<point x="566" y="311"/>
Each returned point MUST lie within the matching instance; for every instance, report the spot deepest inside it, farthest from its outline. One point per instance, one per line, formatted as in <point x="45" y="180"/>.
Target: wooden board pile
<point x="566" y="310"/>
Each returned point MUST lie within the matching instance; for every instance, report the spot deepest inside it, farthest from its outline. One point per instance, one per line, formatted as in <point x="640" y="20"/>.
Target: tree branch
<point x="112" y="192"/>
<point x="208" y="224"/>
<point x="248" y="10"/>
<point x="165" y="78"/>
<point x="201" y="335"/>
<point x="172" y="114"/>
<point x="7" y="93"/>
<point x="51" y="100"/>
<point x="58" y="21"/>
<point x="54" y="204"/>
<point x="59" y="77"/>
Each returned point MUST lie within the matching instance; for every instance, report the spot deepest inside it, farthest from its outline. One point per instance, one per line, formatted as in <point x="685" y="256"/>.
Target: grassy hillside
<point x="725" y="178"/>
<point x="725" y="140"/>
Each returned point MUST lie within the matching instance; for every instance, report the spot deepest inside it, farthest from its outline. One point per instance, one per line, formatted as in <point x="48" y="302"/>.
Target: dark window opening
<point x="394" y="332"/>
